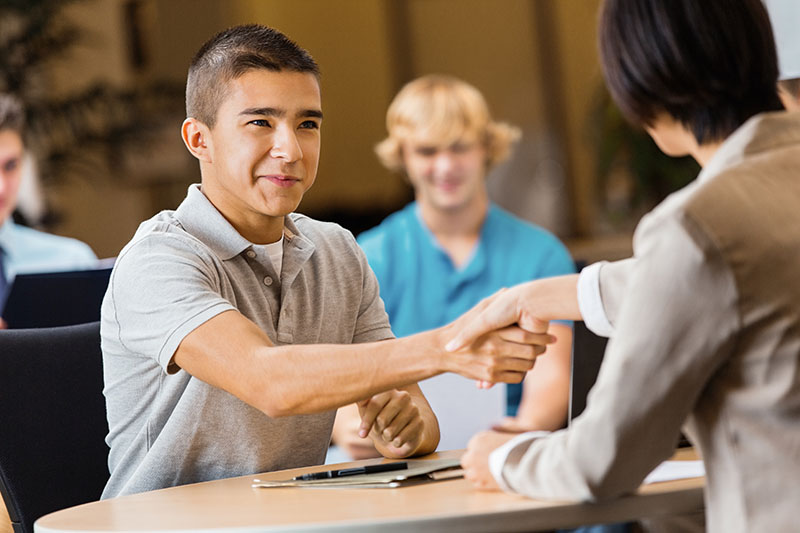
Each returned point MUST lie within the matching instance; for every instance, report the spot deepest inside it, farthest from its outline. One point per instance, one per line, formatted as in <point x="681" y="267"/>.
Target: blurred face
<point x="11" y="152"/>
<point x="261" y="155"/>
<point x="445" y="176"/>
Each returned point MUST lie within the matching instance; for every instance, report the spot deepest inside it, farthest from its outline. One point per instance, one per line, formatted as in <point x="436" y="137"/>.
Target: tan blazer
<point x="706" y="324"/>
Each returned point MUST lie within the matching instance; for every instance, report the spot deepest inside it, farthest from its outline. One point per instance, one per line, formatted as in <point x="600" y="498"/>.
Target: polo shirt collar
<point x="199" y="217"/>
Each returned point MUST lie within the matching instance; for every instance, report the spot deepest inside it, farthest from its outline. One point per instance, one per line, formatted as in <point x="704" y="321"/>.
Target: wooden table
<point x="452" y="505"/>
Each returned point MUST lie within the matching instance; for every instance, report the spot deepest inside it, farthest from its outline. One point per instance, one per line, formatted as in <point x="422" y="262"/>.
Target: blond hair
<point x="446" y="108"/>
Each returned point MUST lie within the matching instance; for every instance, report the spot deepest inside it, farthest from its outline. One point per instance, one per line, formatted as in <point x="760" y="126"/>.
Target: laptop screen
<point x="55" y="298"/>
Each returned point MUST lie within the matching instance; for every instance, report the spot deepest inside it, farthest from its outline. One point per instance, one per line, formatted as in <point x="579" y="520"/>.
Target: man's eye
<point x="11" y="165"/>
<point x="309" y="125"/>
<point x="260" y="122"/>
<point x="426" y="152"/>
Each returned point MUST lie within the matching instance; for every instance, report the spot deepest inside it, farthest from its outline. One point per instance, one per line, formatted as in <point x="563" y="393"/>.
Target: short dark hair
<point x="12" y="115"/>
<point x="710" y="64"/>
<point x="231" y="53"/>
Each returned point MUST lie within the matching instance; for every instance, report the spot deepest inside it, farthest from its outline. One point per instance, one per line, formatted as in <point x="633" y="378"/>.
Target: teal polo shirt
<point x="421" y="287"/>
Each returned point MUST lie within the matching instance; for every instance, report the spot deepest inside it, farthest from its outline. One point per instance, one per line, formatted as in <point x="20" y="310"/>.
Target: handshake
<point x="498" y="340"/>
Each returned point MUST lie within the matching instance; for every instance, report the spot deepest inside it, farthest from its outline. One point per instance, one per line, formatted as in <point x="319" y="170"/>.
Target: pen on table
<point x="369" y="469"/>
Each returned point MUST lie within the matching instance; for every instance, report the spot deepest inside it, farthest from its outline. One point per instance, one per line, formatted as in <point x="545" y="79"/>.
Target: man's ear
<point x="197" y="138"/>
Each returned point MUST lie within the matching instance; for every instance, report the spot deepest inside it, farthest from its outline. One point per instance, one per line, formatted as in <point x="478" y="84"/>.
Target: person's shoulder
<point x="41" y="238"/>
<point x="163" y="232"/>
<point x="397" y="224"/>
<point x="55" y="246"/>
<point x="515" y="227"/>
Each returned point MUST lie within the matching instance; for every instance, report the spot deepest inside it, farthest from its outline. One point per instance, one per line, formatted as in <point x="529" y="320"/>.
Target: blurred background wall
<point x="535" y="61"/>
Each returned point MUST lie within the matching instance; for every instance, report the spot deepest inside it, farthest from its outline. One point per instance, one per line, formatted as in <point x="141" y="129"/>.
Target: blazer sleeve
<point x="675" y="320"/>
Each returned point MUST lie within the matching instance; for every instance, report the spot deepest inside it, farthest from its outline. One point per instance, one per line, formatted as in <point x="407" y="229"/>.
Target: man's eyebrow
<point x="279" y="113"/>
<point x="264" y="112"/>
<point x="310" y="113"/>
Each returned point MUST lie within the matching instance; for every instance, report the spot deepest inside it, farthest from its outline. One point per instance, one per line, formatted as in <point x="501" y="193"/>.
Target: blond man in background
<point x="451" y="247"/>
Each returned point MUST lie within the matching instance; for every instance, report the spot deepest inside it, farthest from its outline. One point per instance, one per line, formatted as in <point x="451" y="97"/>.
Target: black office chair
<point x="587" y="355"/>
<point x="52" y="421"/>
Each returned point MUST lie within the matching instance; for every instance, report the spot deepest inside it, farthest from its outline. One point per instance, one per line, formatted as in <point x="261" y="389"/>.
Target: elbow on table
<point x="606" y="489"/>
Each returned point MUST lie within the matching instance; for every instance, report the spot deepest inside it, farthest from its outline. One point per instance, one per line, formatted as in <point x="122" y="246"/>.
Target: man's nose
<point x="443" y="162"/>
<point x="285" y="145"/>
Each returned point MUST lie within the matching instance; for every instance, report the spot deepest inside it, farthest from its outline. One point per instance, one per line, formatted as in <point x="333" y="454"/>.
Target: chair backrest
<point x="587" y="355"/>
<point x="52" y="420"/>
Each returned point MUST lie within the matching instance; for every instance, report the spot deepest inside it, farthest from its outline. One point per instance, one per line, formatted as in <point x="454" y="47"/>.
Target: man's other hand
<point x="394" y="422"/>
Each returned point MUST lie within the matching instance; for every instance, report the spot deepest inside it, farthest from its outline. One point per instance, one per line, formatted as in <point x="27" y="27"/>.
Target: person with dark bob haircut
<point x="704" y="319"/>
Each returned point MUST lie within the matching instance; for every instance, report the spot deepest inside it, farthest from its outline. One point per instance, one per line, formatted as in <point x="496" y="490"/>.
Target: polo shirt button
<point x="251" y="254"/>
<point x="267" y="281"/>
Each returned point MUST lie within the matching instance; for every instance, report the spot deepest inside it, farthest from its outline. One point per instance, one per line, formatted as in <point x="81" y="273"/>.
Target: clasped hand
<point x="393" y="421"/>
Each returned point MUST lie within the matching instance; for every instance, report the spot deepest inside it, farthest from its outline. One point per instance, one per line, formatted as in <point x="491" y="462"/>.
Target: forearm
<point x="287" y="380"/>
<point x="231" y="353"/>
<point x="545" y="395"/>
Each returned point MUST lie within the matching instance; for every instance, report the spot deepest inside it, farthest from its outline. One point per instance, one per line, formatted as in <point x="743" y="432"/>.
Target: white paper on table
<point x="463" y="409"/>
<point x="671" y="470"/>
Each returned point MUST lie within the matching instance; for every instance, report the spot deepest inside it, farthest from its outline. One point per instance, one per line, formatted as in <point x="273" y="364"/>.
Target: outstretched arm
<point x="530" y="305"/>
<point x="230" y="352"/>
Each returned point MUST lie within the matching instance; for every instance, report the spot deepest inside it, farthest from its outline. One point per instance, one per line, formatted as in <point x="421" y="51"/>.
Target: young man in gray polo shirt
<point x="233" y="328"/>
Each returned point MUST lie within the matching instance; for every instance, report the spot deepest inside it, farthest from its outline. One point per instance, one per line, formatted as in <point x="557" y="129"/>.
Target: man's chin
<point x="450" y="205"/>
<point x="281" y="210"/>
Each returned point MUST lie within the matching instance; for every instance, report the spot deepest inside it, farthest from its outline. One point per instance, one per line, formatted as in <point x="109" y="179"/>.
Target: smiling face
<point x="445" y="176"/>
<point x="261" y="155"/>
<point x="11" y="153"/>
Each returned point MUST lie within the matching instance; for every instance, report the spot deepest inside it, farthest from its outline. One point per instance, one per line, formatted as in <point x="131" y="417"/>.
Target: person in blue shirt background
<point x="22" y="249"/>
<point x="450" y="248"/>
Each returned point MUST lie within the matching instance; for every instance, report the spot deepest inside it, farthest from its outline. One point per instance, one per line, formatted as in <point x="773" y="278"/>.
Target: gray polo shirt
<point x="182" y="268"/>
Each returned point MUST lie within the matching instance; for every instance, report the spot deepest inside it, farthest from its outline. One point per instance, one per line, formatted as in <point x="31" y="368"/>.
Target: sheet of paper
<point x="671" y="470"/>
<point x="462" y="408"/>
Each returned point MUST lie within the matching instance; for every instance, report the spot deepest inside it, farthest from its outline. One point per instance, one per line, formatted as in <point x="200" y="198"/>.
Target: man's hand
<point x="3" y="324"/>
<point x="529" y="305"/>
<point x="475" y="460"/>
<point x="494" y="314"/>
<point x="504" y="355"/>
<point x="345" y="434"/>
<point x="394" y="422"/>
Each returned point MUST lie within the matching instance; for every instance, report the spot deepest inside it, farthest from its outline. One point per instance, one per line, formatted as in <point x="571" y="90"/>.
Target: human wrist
<point x="443" y="360"/>
<point x="424" y="354"/>
<point x="551" y="298"/>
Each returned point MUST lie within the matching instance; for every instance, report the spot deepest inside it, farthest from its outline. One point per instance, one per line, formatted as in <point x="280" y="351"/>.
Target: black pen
<point x="369" y="469"/>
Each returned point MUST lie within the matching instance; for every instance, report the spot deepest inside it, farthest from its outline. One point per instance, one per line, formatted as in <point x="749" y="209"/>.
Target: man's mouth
<point x="448" y="185"/>
<point x="281" y="180"/>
